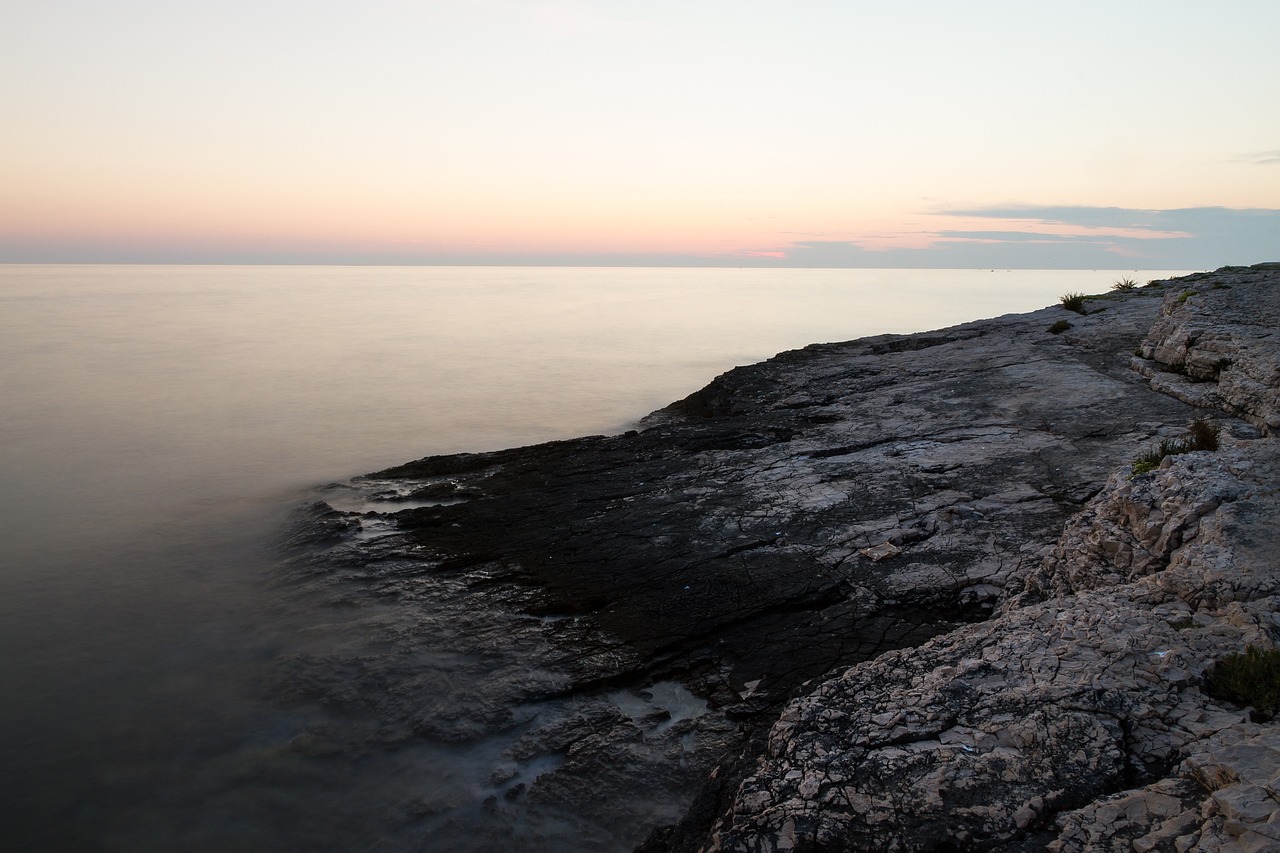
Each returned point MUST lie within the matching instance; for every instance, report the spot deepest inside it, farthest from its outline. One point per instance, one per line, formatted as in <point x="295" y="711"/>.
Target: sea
<point x="158" y="423"/>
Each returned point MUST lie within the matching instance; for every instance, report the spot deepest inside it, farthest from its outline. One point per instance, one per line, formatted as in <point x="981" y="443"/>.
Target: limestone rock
<point x="1213" y="343"/>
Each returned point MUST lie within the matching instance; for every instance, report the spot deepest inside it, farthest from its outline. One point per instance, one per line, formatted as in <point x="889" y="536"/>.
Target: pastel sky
<point x="1116" y="134"/>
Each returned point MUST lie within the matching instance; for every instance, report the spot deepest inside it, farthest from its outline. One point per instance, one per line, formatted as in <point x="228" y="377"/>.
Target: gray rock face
<point x="910" y="576"/>
<point x="1074" y="719"/>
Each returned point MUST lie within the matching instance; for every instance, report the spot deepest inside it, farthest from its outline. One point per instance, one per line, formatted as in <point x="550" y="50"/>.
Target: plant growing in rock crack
<point x="1124" y="284"/>
<point x="1059" y="327"/>
<point x="1073" y="302"/>
<point x="1203" y="436"/>
<point x="1252" y="678"/>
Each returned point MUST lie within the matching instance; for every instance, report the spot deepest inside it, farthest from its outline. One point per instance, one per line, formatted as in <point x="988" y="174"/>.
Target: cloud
<point x="1261" y="158"/>
<point x="1068" y="237"/>
<point x="1081" y="217"/>
<point x="1020" y="252"/>
<point x="1005" y="237"/>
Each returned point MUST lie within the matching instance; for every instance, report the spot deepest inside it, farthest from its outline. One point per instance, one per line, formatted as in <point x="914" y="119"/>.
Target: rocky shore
<point x="901" y="593"/>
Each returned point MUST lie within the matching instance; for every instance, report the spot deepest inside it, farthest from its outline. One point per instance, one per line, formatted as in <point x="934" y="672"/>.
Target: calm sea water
<point x="157" y="423"/>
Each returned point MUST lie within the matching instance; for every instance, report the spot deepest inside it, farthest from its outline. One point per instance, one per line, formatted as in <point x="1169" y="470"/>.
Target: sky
<point x="922" y="133"/>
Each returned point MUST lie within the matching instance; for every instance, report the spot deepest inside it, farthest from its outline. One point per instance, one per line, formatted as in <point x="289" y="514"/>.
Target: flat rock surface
<point x="657" y="598"/>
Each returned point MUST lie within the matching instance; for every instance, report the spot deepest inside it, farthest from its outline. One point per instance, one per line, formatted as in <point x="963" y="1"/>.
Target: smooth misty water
<point x="158" y="422"/>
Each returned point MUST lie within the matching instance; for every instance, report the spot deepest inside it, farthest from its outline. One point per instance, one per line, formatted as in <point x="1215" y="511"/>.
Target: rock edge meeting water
<point x="160" y="421"/>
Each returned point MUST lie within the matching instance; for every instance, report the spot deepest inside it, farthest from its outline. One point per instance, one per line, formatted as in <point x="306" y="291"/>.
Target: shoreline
<point x="807" y="531"/>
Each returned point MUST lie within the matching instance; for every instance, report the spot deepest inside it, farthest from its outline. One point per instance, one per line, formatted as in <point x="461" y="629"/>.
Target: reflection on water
<point x="159" y="423"/>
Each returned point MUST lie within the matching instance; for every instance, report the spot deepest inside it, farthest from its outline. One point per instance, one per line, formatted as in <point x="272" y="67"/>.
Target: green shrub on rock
<point x="1203" y="436"/>
<point x="1252" y="678"/>
<point x="1073" y="302"/>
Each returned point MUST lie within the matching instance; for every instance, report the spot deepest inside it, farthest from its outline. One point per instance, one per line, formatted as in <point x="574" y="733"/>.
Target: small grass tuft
<point x="1124" y="284"/>
<point x="1059" y="327"/>
<point x="1073" y="302"/>
<point x="1252" y="678"/>
<point x="1185" y="295"/>
<point x="1203" y="436"/>
<point x="1148" y="462"/>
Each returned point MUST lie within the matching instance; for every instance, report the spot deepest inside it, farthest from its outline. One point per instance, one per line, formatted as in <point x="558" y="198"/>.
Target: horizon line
<point x="554" y="265"/>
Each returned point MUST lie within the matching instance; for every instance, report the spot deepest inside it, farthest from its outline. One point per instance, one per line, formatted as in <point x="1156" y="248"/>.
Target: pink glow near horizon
<point x="569" y="127"/>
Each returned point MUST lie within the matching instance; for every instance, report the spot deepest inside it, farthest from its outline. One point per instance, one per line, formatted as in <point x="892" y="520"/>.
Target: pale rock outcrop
<point x="1223" y="798"/>
<point x="1214" y="344"/>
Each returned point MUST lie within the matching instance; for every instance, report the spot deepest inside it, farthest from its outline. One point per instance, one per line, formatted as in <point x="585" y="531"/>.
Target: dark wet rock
<point x="908" y="559"/>
<point x="741" y="537"/>
<point x="316" y="524"/>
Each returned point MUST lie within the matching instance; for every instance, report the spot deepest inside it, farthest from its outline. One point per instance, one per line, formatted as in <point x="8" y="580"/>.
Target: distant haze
<point x="932" y="133"/>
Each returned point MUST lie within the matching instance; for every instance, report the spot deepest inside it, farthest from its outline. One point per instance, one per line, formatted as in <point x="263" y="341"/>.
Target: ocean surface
<point x="157" y="423"/>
